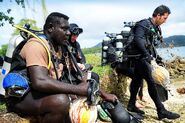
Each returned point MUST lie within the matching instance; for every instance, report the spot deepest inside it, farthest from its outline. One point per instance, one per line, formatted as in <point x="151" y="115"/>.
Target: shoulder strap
<point x="156" y="28"/>
<point x="39" y="39"/>
<point x="17" y="63"/>
<point x="79" y="72"/>
<point x="149" y="27"/>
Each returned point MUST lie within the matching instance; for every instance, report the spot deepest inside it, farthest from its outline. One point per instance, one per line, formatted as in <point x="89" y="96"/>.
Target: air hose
<point x="39" y="39"/>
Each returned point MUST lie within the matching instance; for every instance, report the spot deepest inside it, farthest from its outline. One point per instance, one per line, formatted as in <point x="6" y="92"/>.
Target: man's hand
<point x="81" y="66"/>
<point x="83" y="88"/>
<point x="159" y="61"/>
<point x="108" y="97"/>
<point x="148" y="58"/>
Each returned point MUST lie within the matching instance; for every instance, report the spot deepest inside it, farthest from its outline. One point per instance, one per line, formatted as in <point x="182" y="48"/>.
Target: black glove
<point x="159" y="60"/>
<point x="148" y="58"/>
<point x="92" y="92"/>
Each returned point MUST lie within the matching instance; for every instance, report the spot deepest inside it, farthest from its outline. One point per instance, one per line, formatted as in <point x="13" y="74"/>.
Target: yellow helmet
<point x="81" y="112"/>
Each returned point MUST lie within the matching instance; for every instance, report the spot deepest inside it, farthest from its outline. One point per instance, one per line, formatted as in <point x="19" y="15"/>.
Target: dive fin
<point x="162" y="92"/>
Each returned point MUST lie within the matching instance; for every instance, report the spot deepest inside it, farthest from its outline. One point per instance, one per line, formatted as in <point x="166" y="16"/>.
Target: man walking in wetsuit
<point x="145" y="32"/>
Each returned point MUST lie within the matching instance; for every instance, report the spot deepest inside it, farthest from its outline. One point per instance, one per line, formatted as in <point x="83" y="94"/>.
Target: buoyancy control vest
<point x="77" y="52"/>
<point x="16" y="82"/>
<point x="152" y="36"/>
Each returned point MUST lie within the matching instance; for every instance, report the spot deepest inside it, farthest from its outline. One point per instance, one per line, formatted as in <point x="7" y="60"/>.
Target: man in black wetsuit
<point x="77" y="51"/>
<point x="126" y="69"/>
<point x="145" y="33"/>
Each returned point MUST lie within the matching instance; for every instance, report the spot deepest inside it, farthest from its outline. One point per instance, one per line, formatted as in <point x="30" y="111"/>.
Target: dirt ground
<point x="175" y="103"/>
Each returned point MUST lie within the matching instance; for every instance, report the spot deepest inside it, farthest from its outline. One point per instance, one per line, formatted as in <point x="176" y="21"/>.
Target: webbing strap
<point x="40" y="40"/>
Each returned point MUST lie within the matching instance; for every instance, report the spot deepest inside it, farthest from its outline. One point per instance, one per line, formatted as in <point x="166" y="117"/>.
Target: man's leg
<point x="147" y="74"/>
<point x="134" y="87"/>
<point x="50" y="108"/>
<point x="122" y="68"/>
<point x="140" y="93"/>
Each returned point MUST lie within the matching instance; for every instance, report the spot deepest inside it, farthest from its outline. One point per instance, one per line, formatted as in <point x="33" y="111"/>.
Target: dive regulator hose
<point x="39" y="39"/>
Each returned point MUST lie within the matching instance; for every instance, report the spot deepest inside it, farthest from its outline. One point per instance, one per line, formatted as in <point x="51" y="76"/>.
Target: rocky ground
<point x="176" y="69"/>
<point x="119" y="86"/>
<point x="175" y="103"/>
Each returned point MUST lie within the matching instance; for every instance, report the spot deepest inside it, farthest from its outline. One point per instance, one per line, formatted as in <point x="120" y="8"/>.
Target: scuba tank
<point x="13" y="42"/>
<point x="24" y="34"/>
<point x="105" y="43"/>
<point x="119" y="48"/>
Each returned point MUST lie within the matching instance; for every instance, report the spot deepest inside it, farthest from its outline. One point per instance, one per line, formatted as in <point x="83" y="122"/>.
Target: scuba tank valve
<point x="119" y="48"/>
<point x="105" y="43"/>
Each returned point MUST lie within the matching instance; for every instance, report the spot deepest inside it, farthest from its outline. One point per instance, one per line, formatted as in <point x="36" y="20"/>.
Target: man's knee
<point x="55" y="108"/>
<point x="57" y="103"/>
<point x="62" y="102"/>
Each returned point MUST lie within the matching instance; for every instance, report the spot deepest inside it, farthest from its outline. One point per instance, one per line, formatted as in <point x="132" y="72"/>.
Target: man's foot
<point x="167" y="114"/>
<point x="141" y="98"/>
<point x="133" y="108"/>
<point x="139" y="105"/>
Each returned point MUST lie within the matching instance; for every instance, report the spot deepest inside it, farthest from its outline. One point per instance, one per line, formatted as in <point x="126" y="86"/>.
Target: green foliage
<point x="2" y="107"/>
<point x="44" y="9"/>
<point x="93" y="57"/>
<point x="95" y="60"/>
<point x="20" y="2"/>
<point x="91" y="50"/>
<point x="3" y="49"/>
<point x="31" y="22"/>
<point x="4" y="16"/>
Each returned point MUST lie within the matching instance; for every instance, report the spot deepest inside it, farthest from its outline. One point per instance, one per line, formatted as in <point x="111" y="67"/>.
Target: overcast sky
<point x="99" y="16"/>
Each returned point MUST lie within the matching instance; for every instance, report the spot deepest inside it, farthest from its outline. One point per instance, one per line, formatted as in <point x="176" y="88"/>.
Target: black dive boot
<point x="167" y="114"/>
<point x="133" y="108"/>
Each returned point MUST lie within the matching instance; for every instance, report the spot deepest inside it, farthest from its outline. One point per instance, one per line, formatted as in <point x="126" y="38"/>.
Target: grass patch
<point x="2" y="107"/>
<point x="91" y="50"/>
<point x="95" y="60"/>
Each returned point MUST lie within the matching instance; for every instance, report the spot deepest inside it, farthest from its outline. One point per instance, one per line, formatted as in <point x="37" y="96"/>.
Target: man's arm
<point x="107" y="96"/>
<point x="83" y="59"/>
<point x="140" y="39"/>
<point x="42" y="82"/>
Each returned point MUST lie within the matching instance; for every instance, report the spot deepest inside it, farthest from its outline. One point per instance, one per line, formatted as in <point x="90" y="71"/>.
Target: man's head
<point x="75" y="31"/>
<point x="161" y="14"/>
<point x="56" y="28"/>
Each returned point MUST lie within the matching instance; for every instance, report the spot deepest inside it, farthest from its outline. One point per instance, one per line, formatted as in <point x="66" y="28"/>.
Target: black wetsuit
<point x="77" y="52"/>
<point x="80" y="58"/>
<point x="126" y="69"/>
<point x="143" y="44"/>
